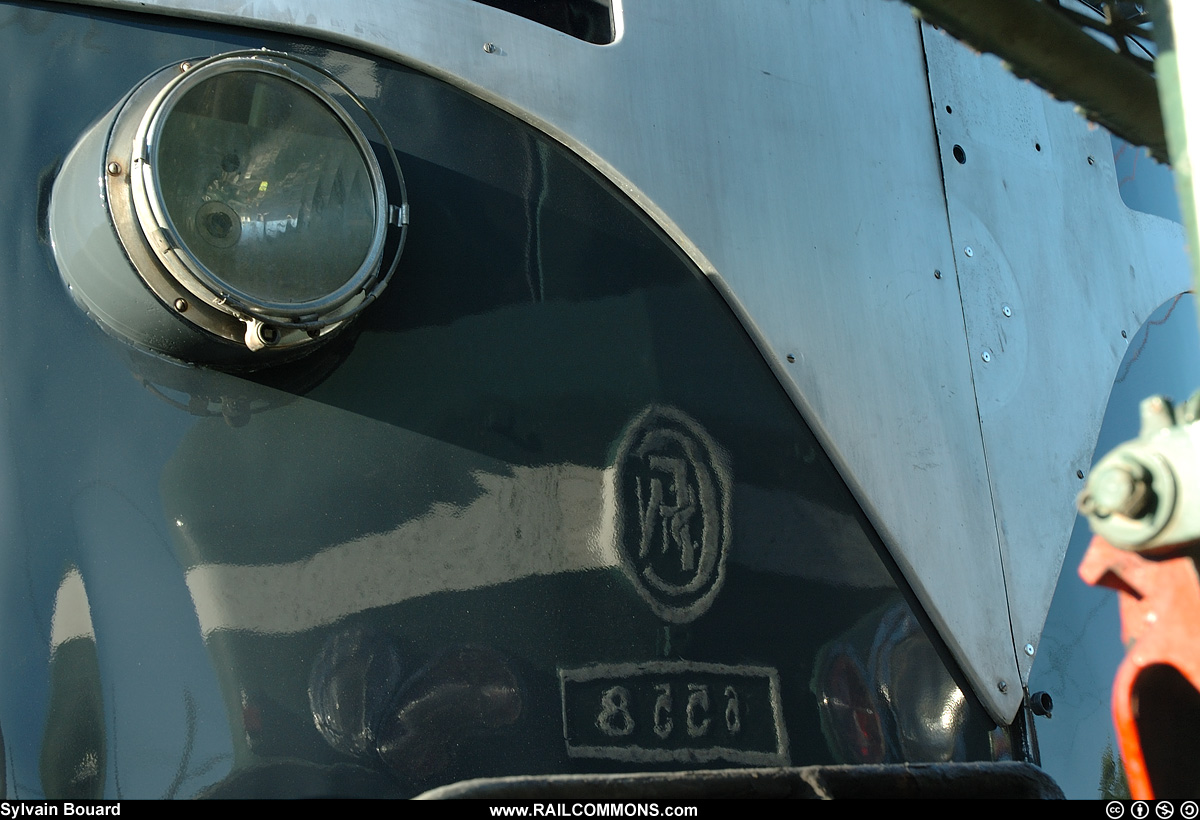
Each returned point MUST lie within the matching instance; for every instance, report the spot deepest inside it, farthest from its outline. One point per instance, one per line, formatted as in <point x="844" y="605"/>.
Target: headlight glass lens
<point x="265" y="187"/>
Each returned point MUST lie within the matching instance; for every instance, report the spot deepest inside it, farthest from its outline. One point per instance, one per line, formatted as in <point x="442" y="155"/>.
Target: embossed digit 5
<point x="697" y="704"/>
<point x="663" y="723"/>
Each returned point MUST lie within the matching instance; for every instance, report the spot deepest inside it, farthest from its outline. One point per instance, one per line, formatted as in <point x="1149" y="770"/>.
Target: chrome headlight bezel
<point x="217" y="317"/>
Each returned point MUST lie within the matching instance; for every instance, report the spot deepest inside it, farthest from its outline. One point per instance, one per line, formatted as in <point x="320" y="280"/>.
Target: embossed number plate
<point x="674" y="710"/>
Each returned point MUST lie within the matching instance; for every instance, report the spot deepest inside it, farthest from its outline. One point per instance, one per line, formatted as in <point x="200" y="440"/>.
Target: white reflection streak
<point x="538" y="521"/>
<point x="260" y="227"/>
<point x="72" y="614"/>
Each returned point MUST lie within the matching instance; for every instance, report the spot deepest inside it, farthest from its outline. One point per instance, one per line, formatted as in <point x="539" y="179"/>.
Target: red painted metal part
<point x="1160" y="611"/>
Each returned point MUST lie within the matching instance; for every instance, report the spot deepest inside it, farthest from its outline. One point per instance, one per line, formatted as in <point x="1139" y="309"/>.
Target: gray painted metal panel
<point x="1037" y="201"/>
<point x="788" y="148"/>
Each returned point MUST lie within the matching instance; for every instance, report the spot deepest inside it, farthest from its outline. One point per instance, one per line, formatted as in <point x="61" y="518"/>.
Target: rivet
<point x="1029" y="649"/>
<point x="489" y="48"/>
<point x="1006" y="310"/>
<point x="937" y="274"/>
<point x="185" y="66"/>
<point x="1079" y="473"/>
<point x="791" y="358"/>
<point x="986" y="355"/>
<point x="1002" y="686"/>
<point x="114" y="168"/>
<point x="181" y="305"/>
<point x="1124" y="335"/>
<point x="969" y="251"/>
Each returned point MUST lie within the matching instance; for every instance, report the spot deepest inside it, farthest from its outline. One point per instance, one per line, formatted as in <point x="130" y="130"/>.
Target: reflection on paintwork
<point x="884" y="697"/>
<point x="1145" y="184"/>
<point x="1081" y="645"/>
<point x="367" y="704"/>
<point x="362" y="574"/>
<point x="72" y="616"/>
<point x="154" y="669"/>
<point x="451" y="547"/>
<point x="204" y="393"/>
<point x="353" y="683"/>
<point x="929" y="708"/>
<point x="456" y="700"/>
<point x="73" y="756"/>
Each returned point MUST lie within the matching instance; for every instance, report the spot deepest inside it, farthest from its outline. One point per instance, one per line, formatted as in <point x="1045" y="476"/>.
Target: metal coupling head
<point x="1120" y="487"/>
<point x="1129" y="497"/>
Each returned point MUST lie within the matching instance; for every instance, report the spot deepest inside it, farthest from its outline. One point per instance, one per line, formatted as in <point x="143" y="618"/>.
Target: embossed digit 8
<point x="614" y="718"/>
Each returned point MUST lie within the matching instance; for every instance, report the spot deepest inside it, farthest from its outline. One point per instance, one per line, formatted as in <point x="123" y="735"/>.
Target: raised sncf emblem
<point x="672" y="487"/>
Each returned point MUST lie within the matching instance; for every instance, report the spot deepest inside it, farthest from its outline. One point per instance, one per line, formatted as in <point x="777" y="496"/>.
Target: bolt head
<point x="181" y="305"/>
<point x="114" y="168"/>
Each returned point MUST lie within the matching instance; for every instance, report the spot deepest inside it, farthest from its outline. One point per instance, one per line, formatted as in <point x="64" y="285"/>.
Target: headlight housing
<point x="257" y="214"/>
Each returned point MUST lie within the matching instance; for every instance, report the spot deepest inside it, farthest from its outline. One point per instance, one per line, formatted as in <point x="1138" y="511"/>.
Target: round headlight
<point x="253" y="207"/>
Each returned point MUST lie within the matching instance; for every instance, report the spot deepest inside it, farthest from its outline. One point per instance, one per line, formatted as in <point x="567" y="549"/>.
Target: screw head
<point x="489" y="48"/>
<point x="986" y="355"/>
<point x="1006" y="310"/>
<point x="181" y="305"/>
<point x="791" y="358"/>
<point x="1002" y="686"/>
<point x="185" y="66"/>
<point x="937" y="274"/>
<point x="969" y="251"/>
<point x="1124" y="335"/>
<point x="1029" y="649"/>
<point x="269" y="335"/>
<point x="114" y="168"/>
